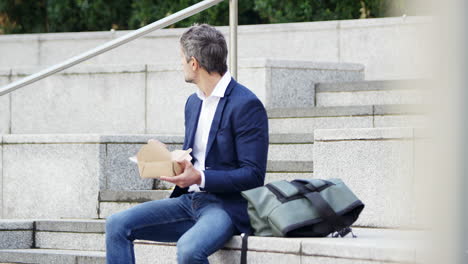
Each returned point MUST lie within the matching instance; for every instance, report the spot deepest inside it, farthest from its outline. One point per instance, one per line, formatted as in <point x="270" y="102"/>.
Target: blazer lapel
<point x="217" y="117"/>
<point x="192" y="126"/>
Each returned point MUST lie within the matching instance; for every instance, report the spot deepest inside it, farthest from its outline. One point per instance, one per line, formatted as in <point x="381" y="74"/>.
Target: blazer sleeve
<point x="250" y="124"/>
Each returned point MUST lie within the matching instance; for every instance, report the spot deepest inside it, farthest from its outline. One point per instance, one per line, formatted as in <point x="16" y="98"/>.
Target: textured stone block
<point x="19" y="50"/>
<point x="254" y="257"/>
<point x="401" y="121"/>
<point x="52" y="256"/>
<point x="288" y="176"/>
<point x="4" y="107"/>
<point x="316" y="41"/>
<point x="254" y="78"/>
<point x="291" y="83"/>
<point x="363" y="133"/>
<point x="294" y="112"/>
<point x="51" y="180"/>
<point x="55" y="48"/>
<point x="265" y="244"/>
<point x="115" y="201"/>
<point x="71" y="241"/>
<point x="289" y="166"/>
<point x="262" y="250"/>
<point x="82" y="100"/>
<point x="371" y="86"/>
<point x="326" y="260"/>
<point x="427" y="154"/>
<point x="369" y="98"/>
<point x="74" y="226"/>
<point x="108" y="208"/>
<point x="294" y="152"/>
<point x="16" y="234"/>
<point x="167" y="94"/>
<point x="379" y="245"/>
<point x="1" y="176"/>
<point x="16" y="239"/>
<point x="132" y="196"/>
<point x="120" y="172"/>
<point x="308" y="125"/>
<point x="15" y="224"/>
<point x="160" y="47"/>
<point x="292" y="138"/>
<point x="377" y="164"/>
<point x="145" y="253"/>
<point x="5" y="114"/>
<point x="93" y="259"/>
<point x="389" y="48"/>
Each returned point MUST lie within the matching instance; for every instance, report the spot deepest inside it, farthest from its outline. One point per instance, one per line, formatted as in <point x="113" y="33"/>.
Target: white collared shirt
<point x="207" y="113"/>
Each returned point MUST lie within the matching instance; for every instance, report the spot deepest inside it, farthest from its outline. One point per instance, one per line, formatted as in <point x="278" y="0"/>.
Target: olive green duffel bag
<point x="303" y="208"/>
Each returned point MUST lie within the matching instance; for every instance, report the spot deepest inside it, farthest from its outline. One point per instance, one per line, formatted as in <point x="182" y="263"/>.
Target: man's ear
<point x="194" y="63"/>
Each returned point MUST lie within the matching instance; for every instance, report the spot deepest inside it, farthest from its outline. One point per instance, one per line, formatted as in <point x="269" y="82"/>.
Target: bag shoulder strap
<point x="245" y="237"/>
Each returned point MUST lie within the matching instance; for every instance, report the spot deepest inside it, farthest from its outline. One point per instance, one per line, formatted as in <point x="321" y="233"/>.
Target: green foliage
<point x="147" y="11"/>
<point x="279" y="11"/>
<point x="20" y="16"/>
<point x="32" y="16"/>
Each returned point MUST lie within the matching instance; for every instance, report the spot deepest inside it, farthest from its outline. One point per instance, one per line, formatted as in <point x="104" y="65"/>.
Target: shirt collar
<point x="219" y="89"/>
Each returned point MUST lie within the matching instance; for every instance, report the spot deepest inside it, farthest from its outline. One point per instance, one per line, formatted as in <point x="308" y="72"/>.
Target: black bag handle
<point x="322" y="206"/>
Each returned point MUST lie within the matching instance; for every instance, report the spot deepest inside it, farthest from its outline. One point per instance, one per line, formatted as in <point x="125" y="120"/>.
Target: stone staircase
<point x="66" y="140"/>
<point x="82" y="241"/>
<point x="291" y="155"/>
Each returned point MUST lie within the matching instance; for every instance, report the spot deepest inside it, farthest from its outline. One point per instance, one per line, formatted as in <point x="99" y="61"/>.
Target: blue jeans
<point x="196" y="221"/>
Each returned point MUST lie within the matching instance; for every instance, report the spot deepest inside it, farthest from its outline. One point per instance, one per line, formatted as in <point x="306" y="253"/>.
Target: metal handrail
<point x="233" y="19"/>
<point x="167" y="21"/>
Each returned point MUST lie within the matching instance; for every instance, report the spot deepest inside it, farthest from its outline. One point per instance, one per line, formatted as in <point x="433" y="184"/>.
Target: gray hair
<point x="207" y="45"/>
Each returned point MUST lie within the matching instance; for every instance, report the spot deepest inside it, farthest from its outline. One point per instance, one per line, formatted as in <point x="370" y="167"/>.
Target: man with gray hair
<point x="226" y="125"/>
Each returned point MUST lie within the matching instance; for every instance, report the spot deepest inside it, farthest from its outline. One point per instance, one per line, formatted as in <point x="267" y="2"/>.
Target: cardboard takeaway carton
<point x="154" y="160"/>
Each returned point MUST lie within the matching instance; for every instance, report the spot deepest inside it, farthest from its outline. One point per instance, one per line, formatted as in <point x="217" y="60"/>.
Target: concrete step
<point x="371" y="93"/>
<point x="63" y="241"/>
<point x="139" y="99"/>
<point x="72" y="169"/>
<point x="305" y="120"/>
<point x="77" y="234"/>
<point x="52" y="256"/>
<point x="371" y="246"/>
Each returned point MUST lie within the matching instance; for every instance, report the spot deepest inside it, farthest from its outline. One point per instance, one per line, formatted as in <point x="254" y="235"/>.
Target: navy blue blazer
<point x="236" y="154"/>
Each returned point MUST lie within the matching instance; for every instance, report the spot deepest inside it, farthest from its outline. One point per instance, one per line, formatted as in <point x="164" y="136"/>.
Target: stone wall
<point x="389" y="48"/>
<point x="140" y="99"/>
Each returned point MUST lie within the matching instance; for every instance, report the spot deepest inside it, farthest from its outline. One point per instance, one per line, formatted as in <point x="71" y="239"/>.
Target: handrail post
<point x="233" y="21"/>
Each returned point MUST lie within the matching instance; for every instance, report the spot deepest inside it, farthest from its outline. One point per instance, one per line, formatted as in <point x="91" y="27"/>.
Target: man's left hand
<point x="189" y="176"/>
